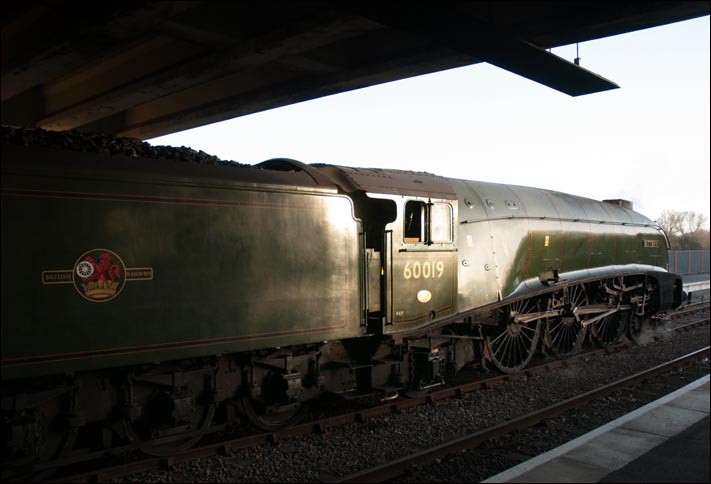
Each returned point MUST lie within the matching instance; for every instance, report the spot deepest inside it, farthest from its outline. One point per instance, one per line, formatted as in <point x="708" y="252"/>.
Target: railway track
<point x="691" y="309"/>
<point x="393" y="469"/>
<point x="113" y="467"/>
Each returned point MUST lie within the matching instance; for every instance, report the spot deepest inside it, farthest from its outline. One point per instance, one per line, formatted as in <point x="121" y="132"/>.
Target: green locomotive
<point x="150" y="301"/>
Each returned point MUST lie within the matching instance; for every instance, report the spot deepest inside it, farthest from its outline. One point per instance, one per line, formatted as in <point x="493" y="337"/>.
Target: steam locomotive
<point x="147" y="302"/>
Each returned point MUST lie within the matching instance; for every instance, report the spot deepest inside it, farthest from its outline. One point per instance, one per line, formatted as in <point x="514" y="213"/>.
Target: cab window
<point x="414" y="221"/>
<point x="427" y="222"/>
<point x="441" y="222"/>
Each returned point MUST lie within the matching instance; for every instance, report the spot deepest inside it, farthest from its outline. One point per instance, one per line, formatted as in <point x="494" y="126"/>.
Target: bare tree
<point x="700" y="240"/>
<point x="685" y="229"/>
<point x="672" y="222"/>
<point x="694" y="221"/>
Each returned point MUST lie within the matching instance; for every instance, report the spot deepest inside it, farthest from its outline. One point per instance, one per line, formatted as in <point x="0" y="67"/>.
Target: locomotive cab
<point x="410" y="222"/>
<point x="421" y="254"/>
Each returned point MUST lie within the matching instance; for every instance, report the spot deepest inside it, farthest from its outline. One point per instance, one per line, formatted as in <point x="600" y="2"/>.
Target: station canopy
<point x="145" y="69"/>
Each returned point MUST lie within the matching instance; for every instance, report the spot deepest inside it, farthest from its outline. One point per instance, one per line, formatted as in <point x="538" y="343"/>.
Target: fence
<point x="689" y="261"/>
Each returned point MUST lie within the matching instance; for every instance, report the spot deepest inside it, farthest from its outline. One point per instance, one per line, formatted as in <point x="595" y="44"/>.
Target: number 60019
<point x="424" y="270"/>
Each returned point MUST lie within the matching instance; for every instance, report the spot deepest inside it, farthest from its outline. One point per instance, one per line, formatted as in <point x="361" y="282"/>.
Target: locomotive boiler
<point x="150" y="301"/>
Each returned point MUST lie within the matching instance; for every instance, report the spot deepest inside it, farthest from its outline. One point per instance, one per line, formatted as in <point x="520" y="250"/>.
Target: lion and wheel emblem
<point x="99" y="275"/>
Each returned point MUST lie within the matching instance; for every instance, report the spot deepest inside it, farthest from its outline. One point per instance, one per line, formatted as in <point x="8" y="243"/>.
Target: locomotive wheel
<point x="640" y="329"/>
<point x="514" y="344"/>
<point x="642" y="326"/>
<point x="609" y="330"/>
<point x="565" y="333"/>
<point x="272" y="418"/>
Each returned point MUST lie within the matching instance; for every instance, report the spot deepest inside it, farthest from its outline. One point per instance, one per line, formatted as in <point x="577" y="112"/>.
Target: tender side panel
<point x="198" y="271"/>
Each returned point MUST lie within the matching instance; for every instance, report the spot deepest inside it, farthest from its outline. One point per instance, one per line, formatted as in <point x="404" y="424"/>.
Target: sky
<point x="647" y="142"/>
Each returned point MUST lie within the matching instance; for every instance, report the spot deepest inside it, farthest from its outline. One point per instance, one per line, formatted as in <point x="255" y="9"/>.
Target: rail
<point x="393" y="469"/>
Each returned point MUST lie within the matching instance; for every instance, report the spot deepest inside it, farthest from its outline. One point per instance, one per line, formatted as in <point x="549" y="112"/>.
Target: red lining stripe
<point x="122" y="195"/>
<point x="197" y="203"/>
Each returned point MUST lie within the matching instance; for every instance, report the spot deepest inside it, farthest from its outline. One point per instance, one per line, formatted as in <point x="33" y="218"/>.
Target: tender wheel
<point x="169" y="444"/>
<point x="34" y="438"/>
<point x="162" y="429"/>
<point x="40" y="434"/>
<point x="272" y="418"/>
<point x="513" y="344"/>
<point x="565" y="333"/>
<point x="60" y="442"/>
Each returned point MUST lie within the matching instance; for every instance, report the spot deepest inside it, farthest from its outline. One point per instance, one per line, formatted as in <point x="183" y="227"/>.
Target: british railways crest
<point x="99" y="275"/>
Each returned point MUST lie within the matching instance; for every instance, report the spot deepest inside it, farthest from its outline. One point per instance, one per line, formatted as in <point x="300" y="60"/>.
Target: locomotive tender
<point x="148" y="301"/>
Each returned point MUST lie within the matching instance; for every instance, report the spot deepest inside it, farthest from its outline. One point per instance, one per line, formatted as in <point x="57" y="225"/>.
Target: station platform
<point x="695" y="278"/>
<point x="665" y="441"/>
<point x="696" y="287"/>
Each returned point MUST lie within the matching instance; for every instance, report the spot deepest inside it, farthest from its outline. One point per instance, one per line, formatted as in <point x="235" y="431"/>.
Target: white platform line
<point x="524" y="467"/>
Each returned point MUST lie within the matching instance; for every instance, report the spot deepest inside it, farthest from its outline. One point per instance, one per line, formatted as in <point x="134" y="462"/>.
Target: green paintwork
<point x="520" y="233"/>
<point x="234" y="267"/>
<point x="242" y="259"/>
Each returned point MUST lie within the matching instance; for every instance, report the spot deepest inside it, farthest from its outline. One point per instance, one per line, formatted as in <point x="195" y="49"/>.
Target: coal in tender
<point x="106" y="144"/>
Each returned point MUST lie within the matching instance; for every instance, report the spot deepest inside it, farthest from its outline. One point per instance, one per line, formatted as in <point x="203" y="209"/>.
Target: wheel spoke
<point x="505" y="346"/>
<point x="525" y="335"/>
<point x="556" y="327"/>
<point x="502" y="335"/>
<point x="520" y="350"/>
<point x="502" y="345"/>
